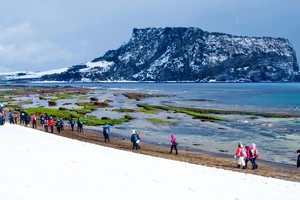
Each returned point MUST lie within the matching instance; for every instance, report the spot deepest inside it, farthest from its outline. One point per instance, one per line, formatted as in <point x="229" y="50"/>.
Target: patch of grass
<point x="54" y="112"/>
<point x="81" y="110"/>
<point x="139" y="96"/>
<point x="196" y="115"/>
<point x="62" y="96"/>
<point x="122" y="110"/>
<point x="17" y="105"/>
<point x="146" y="111"/>
<point x="93" y="105"/>
<point x="5" y="99"/>
<point x="201" y="116"/>
<point x="83" y="97"/>
<point x="196" y="112"/>
<point x="90" y="121"/>
<point x="159" y="121"/>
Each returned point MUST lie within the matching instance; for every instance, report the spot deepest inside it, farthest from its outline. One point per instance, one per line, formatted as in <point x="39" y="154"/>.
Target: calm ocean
<point x="276" y="139"/>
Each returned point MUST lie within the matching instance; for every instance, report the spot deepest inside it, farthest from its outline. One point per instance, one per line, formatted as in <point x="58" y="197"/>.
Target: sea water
<point x="277" y="139"/>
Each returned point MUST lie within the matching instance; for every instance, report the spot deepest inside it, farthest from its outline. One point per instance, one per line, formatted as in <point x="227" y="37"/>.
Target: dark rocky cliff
<point x="190" y="54"/>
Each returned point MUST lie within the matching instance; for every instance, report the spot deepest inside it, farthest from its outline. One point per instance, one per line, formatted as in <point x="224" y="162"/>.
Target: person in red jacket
<point x="51" y="124"/>
<point x="241" y="154"/>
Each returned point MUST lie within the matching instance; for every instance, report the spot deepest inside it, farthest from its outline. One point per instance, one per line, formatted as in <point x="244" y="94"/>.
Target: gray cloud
<point x="38" y="35"/>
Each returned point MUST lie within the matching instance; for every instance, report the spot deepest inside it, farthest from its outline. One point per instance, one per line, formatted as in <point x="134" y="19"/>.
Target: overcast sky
<point x="37" y="35"/>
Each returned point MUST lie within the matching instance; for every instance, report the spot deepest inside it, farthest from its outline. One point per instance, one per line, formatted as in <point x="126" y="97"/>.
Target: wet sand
<point x="264" y="169"/>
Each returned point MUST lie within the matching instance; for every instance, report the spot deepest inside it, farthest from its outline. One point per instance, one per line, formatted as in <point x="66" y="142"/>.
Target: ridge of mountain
<point x="189" y="54"/>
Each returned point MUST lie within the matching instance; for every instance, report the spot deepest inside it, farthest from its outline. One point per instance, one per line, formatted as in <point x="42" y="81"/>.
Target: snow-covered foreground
<point x="36" y="165"/>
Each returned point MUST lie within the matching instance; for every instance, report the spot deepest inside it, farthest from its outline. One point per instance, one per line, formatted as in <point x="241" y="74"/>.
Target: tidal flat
<point x="198" y="130"/>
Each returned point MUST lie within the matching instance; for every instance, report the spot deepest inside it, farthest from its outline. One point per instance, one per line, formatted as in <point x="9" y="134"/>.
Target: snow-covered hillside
<point x="36" y="165"/>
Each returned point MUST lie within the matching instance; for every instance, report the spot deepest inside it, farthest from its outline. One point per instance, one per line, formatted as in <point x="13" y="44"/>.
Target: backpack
<point x="252" y="152"/>
<point x="105" y="130"/>
<point x="72" y="122"/>
<point x="139" y="136"/>
<point x="175" y="142"/>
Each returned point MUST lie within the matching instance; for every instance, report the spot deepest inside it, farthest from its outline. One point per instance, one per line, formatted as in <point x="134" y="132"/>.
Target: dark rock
<point x="94" y="99"/>
<point x="52" y="103"/>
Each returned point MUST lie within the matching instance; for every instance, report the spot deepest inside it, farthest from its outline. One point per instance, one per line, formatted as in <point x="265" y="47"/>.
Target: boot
<point x="244" y="167"/>
<point x="238" y="166"/>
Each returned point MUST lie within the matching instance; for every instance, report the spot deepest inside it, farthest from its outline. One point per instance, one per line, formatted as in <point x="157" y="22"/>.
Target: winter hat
<point x="133" y="131"/>
<point x="247" y="145"/>
<point x="240" y="144"/>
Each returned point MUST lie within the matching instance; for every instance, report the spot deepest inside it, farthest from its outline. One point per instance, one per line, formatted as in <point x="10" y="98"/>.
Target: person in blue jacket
<point x="106" y="132"/>
<point x="135" y="140"/>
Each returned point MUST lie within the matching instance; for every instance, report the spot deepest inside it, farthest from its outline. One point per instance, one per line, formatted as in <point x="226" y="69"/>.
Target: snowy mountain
<point x="189" y="54"/>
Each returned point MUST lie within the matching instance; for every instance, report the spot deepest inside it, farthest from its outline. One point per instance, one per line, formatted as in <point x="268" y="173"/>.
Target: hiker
<point x="298" y="159"/>
<point x="79" y="125"/>
<point x="15" y="116"/>
<point x="139" y="138"/>
<point x="58" y="125"/>
<point x="46" y="123"/>
<point x="173" y="144"/>
<point x="106" y="132"/>
<point x="27" y="119"/>
<point x="72" y="123"/>
<point x="61" y="124"/>
<point x="10" y="117"/>
<point x="42" y="119"/>
<point x="135" y="140"/>
<point x="247" y="156"/>
<point x="51" y="124"/>
<point x="1" y="119"/>
<point x="241" y="154"/>
<point x="33" y="120"/>
<point x="253" y="155"/>
<point x="22" y="117"/>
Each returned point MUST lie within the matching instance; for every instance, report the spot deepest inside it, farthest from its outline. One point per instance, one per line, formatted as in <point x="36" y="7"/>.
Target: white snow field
<point x="39" y="166"/>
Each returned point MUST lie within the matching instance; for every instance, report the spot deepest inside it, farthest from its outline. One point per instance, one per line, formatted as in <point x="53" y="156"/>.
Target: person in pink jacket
<point x="241" y="154"/>
<point x="252" y="154"/>
<point x="33" y="120"/>
<point x="173" y="144"/>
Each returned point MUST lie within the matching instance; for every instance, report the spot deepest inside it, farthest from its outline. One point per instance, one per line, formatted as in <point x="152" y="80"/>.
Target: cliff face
<point x="190" y="54"/>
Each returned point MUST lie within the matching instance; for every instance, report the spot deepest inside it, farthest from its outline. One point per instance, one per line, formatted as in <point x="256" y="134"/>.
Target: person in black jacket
<point x="298" y="159"/>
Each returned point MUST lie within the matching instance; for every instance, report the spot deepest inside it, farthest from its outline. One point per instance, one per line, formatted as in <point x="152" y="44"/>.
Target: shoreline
<point x="287" y="173"/>
<point x="201" y="151"/>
